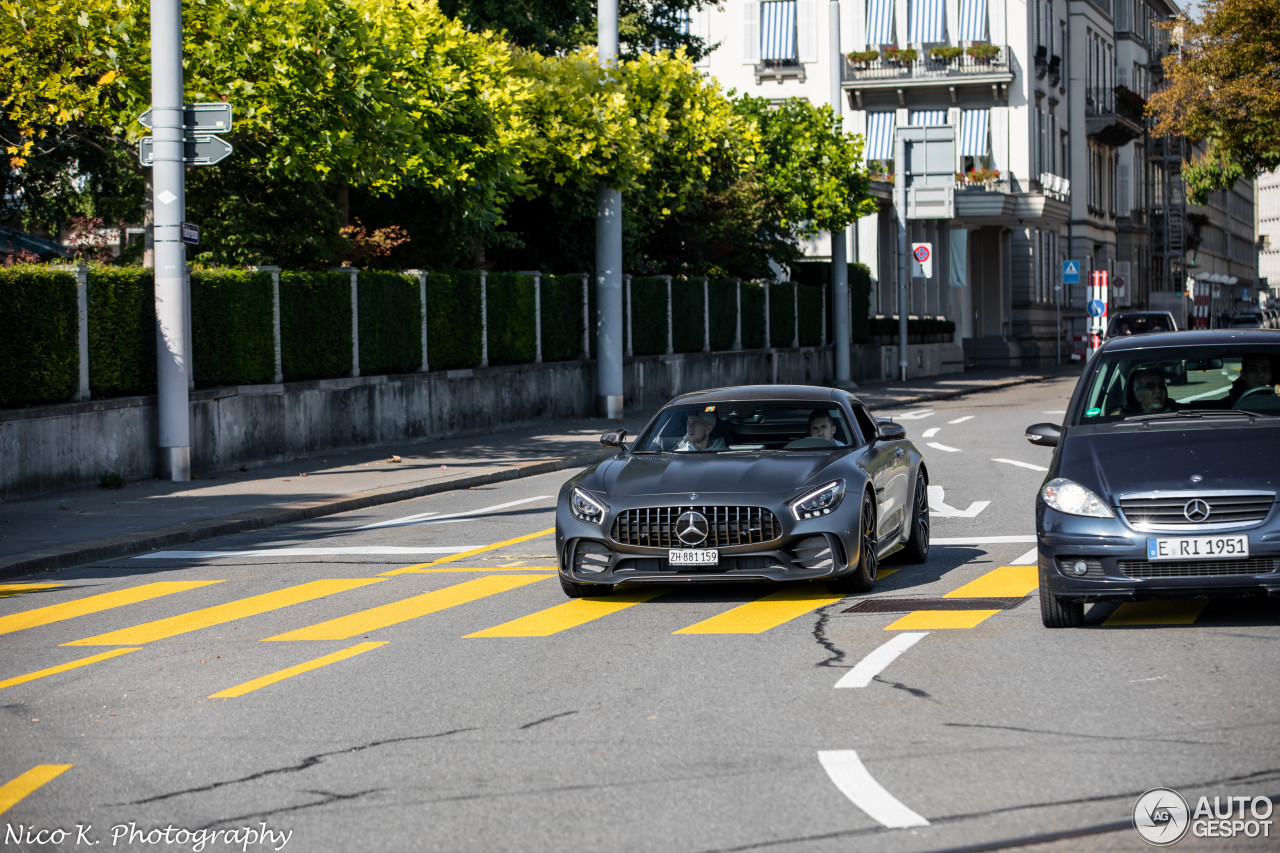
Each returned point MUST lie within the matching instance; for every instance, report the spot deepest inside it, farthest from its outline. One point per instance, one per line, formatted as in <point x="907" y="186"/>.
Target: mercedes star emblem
<point x="692" y="527"/>
<point x="1196" y="511"/>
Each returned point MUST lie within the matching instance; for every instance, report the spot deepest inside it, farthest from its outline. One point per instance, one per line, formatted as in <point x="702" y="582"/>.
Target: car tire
<point x="863" y="577"/>
<point x="584" y="590"/>
<point x="917" y="548"/>
<point x="1058" y="612"/>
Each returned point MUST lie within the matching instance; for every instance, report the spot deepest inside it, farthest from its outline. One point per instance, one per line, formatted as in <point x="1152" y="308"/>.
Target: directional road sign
<point x="197" y="150"/>
<point x="1070" y="272"/>
<point x="1096" y="308"/>
<point x="199" y="118"/>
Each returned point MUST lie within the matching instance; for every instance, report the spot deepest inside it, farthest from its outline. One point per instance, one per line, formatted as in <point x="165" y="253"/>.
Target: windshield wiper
<point x="1192" y="413"/>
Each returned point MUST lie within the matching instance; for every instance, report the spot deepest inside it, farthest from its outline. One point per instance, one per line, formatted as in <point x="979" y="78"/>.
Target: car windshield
<point x="1139" y="324"/>
<point x="1190" y="382"/>
<point x="788" y="425"/>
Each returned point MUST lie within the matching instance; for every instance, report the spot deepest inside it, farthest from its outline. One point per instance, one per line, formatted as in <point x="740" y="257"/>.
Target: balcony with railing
<point x="893" y="67"/>
<point x="1114" y="116"/>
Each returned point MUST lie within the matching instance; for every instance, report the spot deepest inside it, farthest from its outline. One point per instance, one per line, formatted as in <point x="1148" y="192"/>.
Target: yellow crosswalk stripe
<point x="571" y="614"/>
<point x="183" y="623"/>
<point x="273" y="678"/>
<point x="414" y="569"/>
<point x="346" y="627"/>
<point x="1004" y="582"/>
<point x="756" y="617"/>
<point x="64" y="667"/>
<point x="94" y="604"/>
<point x="939" y="620"/>
<point x="11" y="793"/>
<point x="1134" y="613"/>
<point x="10" y="589"/>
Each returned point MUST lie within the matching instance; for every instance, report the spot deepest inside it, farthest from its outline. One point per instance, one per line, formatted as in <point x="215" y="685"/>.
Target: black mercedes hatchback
<point x="1152" y="494"/>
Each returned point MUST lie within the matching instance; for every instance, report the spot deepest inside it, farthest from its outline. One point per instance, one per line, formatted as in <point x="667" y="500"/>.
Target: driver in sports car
<point x="697" y="429"/>
<point x="1255" y="372"/>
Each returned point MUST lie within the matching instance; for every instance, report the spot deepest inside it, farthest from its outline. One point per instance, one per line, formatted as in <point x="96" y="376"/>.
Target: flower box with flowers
<point x="978" y="179"/>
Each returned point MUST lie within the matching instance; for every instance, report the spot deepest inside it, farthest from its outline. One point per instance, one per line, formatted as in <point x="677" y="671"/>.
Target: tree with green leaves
<point x="1222" y="88"/>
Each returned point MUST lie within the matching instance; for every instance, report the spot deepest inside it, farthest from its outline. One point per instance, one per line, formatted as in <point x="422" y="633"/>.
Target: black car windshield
<point x="1163" y="383"/>
<point x="754" y="425"/>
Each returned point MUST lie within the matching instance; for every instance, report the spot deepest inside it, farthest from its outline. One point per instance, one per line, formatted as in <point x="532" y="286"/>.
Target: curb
<point x="51" y="559"/>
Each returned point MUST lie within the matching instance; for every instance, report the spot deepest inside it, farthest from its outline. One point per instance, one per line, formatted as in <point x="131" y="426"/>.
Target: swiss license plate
<point x="693" y="557"/>
<point x="1197" y="547"/>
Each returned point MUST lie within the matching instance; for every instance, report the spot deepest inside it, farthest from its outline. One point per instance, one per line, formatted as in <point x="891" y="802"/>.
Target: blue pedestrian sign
<point x="1070" y="272"/>
<point x="1097" y="308"/>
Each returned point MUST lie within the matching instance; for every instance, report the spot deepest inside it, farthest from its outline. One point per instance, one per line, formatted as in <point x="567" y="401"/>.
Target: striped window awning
<point x="973" y="20"/>
<point x="778" y="30"/>
<point x="879" y="22"/>
<point x="926" y="21"/>
<point x="880" y="136"/>
<point x="929" y="117"/>
<point x="974" y="141"/>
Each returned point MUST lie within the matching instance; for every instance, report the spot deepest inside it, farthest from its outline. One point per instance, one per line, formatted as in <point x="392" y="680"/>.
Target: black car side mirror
<point x="614" y="439"/>
<point x="1045" y="435"/>
<point x="890" y="431"/>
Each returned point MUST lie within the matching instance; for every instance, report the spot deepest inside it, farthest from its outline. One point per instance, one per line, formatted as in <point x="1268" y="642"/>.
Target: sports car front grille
<point x="1198" y="568"/>
<point x="727" y="526"/>
<point x="1169" y="511"/>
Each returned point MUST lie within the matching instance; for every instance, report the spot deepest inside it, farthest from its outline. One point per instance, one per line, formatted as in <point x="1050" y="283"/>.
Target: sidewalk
<point x="70" y="528"/>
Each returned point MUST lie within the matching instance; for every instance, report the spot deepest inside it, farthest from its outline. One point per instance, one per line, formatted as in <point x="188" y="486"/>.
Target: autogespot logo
<point x="1161" y="816"/>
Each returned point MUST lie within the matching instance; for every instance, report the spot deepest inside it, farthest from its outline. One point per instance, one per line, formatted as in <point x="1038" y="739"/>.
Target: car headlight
<point x="820" y="501"/>
<point x="1074" y="499"/>
<point x="586" y="508"/>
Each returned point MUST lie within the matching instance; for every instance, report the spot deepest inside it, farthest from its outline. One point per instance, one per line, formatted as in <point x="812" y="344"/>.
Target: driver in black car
<point x="1255" y="372"/>
<point x="1148" y="394"/>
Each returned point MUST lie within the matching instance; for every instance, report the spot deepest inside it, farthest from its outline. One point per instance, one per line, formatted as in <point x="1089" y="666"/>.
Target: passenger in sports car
<point x="697" y="428"/>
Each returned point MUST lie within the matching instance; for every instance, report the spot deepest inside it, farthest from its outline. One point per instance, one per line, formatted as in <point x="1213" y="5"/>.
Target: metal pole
<point x="900" y="208"/>
<point x="609" y="386"/>
<point x="840" y="320"/>
<point x="169" y="200"/>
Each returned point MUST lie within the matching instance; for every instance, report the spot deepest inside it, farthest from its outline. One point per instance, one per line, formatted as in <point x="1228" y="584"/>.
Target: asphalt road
<point x="411" y="677"/>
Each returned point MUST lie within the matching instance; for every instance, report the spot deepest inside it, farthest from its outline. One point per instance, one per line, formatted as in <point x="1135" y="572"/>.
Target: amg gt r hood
<point x="741" y="474"/>
<point x="1166" y="457"/>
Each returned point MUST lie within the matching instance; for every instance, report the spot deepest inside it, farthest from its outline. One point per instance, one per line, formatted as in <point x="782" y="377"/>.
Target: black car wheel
<point x="917" y="549"/>
<point x="583" y="590"/>
<point x="1058" y="612"/>
<point x="863" y="577"/>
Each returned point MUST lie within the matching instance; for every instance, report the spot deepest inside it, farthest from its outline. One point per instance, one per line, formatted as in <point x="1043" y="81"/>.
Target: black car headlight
<point x="1074" y="499"/>
<point x="586" y="508"/>
<point x="820" y="501"/>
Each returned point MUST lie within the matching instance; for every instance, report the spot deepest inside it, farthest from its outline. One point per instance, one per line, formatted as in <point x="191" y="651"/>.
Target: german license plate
<point x="1197" y="547"/>
<point x="693" y="557"/>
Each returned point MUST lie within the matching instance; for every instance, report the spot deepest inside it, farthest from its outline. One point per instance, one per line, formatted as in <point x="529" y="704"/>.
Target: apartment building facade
<point x="1027" y="148"/>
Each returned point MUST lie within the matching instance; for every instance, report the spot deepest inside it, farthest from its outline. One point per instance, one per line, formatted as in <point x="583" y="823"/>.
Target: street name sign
<point x="196" y="150"/>
<point x="191" y="234"/>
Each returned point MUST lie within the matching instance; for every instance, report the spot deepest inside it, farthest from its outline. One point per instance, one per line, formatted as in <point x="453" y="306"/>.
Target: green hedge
<point x="39" y="350"/>
<point x="232" y="328"/>
<point x="315" y="325"/>
<point x="390" y="323"/>
<point x="512" y="333"/>
<point x="752" y="315"/>
<point x="648" y="315"/>
<point x="859" y="302"/>
<point x="453" y="320"/>
<point x="813" y="314"/>
<point x="688" y="310"/>
<point x="888" y="326"/>
<point x="122" y="331"/>
<point x="561" y="317"/>
<point x="782" y="318"/>
<point x="723" y="307"/>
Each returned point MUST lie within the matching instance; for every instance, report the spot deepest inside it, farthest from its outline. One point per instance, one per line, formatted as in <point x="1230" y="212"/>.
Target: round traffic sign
<point x="921" y="253"/>
<point x="1118" y="283"/>
<point x="1096" y="308"/>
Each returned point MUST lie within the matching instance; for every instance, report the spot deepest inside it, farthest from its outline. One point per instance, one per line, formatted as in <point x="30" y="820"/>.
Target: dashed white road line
<point x="932" y="431"/>
<point x="873" y="664"/>
<point x="913" y="416"/>
<point x="1028" y="559"/>
<point x="936" y="446"/>
<point x="851" y="777"/>
<point x="436" y="518"/>
<point x="366" y="551"/>
<point x="980" y="540"/>
<point x="1027" y="465"/>
<point x="961" y="420"/>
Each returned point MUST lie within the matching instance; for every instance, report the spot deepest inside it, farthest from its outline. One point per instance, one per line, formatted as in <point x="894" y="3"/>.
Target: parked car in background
<point x="1140" y="323"/>
<point x="1248" y="320"/>
<point x="1152" y="495"/>
<point x="752" y="483"/>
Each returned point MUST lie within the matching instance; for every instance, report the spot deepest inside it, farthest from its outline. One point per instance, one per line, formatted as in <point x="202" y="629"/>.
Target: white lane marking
<point x="937" y="446"/>
<point x="419" y="519"/>
<point x="913" y="416"/>
<point x="873" y="664"/>
<point x="938" y="506"/>
<point x="1026" y="465"/>
<point x="981" y="540"/>
<point x="1030" y="558"/>
<point x="932" y="431"/>
<point x="961" y="420"/>
<point x="366" y="551"/>
<point x="1063" y="412"/>
<point x="846" y="770"/>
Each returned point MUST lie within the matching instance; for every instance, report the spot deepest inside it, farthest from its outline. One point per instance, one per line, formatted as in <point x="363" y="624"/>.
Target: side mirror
<point x="890" y="431"/>
<point x="614" y="439"/>
<point x="1045" y="435"/>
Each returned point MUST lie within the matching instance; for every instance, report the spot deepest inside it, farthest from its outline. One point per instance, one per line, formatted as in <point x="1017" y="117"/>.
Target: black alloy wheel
<point x="863" y="577"/>
<point x="917" y="548"/>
